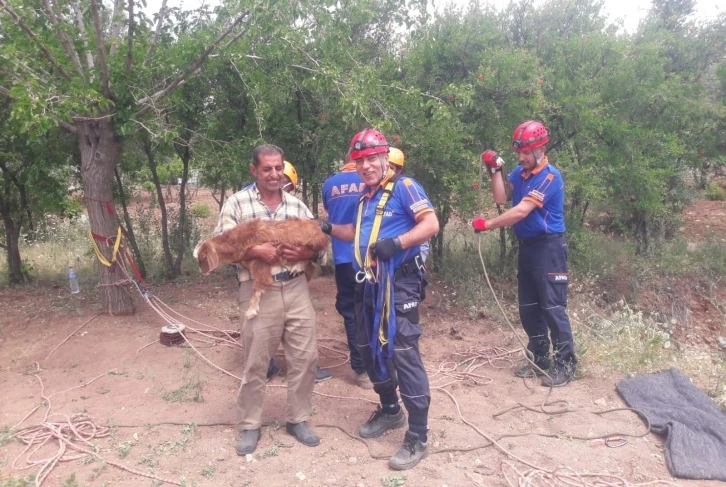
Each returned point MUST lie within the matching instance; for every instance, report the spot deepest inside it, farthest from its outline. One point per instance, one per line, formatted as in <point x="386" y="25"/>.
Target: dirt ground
<point x="131" y="396"/>
<point x="139" y="383"/>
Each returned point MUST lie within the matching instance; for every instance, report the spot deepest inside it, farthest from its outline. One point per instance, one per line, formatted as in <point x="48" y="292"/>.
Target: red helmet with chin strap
<point x="530" y="135"/>
<point x="366" y="143"/>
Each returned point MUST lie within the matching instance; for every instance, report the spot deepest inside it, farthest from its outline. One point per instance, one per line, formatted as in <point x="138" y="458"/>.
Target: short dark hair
<point x="265" y="149"/>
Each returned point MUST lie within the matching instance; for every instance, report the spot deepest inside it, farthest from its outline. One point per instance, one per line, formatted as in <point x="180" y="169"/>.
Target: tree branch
<point x="130" y="39"/>
<point x="103" y="65"/>
<point x="82" y="30"/>
<point x="21" y="23"/>
<point x="191" y="68"/>
<point x="235" y="38"/>
<point x="155" y="39"/>
<point x="67" y="47"/>
<point x="68" y="127"/>
<point x="116" y="26"/>
<point x="5" y="91"/>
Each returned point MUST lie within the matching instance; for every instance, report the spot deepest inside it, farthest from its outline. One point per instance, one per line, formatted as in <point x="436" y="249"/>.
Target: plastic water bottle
<point x="73" y="280"/>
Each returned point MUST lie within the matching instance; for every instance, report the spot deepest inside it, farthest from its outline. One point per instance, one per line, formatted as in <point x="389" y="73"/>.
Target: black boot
<point x="412" y="452"/>
<point x="247" y="442"/>
<point x="303" y="434"/>
<point x="380" y="422"/>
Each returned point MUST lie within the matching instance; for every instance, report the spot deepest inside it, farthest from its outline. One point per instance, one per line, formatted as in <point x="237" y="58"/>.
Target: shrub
<point x="201" y="210"/>
<point x="715" y="192"/>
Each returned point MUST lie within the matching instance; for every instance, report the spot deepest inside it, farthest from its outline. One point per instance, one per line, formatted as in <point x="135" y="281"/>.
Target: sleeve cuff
<point x="537" y="203"/>
<point x="420" y="213"/>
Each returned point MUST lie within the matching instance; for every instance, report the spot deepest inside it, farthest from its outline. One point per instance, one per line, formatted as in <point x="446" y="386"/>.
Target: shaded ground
<point x="36" y="319"/>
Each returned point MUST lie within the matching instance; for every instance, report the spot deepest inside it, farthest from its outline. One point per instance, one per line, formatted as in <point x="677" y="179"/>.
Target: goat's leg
<point x="254" y="308"/>
<point x="261" y="273"/>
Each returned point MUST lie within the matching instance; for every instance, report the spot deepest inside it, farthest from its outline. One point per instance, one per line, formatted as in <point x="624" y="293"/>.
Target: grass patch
<point x="124" y="449"/>
<point x="201" y="210"/>
<point x="627" y="341"/>
<point x="393" y="480"/>
<point x="97" y="471"/>
<point x="6" y="434"/>
<point x="170" y="446"/>
<point x="208" y="471"/>
<point x="71" y="482"/>
<point x="714" y="192"/>
<point x="18" y="482"/>
<point x="189" y="391"/>
<point x="189" y="429"/>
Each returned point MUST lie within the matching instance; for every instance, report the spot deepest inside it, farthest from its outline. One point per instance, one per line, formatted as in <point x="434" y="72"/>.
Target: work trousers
<point x="407" y="372"/>
<point x="543" y="280"/>
<point x="286" y="315"/>
<point x="345" y="305"/>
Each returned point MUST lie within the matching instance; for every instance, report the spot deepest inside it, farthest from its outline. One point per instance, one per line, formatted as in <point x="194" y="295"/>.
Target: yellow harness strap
<point x="378" y="219"/>
<point x="116" y="246"/>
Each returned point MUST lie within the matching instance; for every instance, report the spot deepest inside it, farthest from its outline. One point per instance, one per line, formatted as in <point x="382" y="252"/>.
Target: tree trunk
<point x="316" y="191"/>
<point x="100" y="151"/>
<point x="186" y="155"/>
<point x="130" y="227"/>
<point x="12" y="237"/>
<point x="162" y="206"/>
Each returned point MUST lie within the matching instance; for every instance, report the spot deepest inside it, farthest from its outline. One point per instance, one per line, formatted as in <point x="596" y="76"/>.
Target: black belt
<point x="539" y="238"/>
<point x="410" y="266"/>
<point x="285" y="276"/>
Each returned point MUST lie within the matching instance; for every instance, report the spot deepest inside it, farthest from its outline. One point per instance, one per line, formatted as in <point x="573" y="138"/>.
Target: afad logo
<point x="407" y="306"/>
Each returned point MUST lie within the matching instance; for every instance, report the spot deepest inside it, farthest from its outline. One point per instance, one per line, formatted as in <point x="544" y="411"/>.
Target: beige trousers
<point x="286" y="315"/>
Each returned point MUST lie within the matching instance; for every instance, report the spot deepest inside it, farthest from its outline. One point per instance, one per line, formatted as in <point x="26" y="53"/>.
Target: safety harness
<point x="378" y="288"/>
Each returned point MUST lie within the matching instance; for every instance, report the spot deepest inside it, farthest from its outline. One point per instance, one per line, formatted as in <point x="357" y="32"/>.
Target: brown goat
<point x="231" y="246"/>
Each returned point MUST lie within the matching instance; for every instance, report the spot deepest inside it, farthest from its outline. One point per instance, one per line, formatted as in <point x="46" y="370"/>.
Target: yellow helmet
<point x="395" y="156"/>
<point x="290" y="172"/>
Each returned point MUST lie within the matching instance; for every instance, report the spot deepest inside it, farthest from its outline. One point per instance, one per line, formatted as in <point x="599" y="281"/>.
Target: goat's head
<point x="207" y="257"/>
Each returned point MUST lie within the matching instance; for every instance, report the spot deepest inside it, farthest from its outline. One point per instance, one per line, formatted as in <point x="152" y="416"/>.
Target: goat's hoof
<point x="251" y="313"/>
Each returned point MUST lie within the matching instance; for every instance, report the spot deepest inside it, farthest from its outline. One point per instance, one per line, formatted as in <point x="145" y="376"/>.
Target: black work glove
<point x="385" y="248"/>
<point x="325" y="227"/>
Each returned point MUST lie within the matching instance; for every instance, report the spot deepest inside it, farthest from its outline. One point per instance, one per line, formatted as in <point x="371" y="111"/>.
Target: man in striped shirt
<point x="286" y="312"/>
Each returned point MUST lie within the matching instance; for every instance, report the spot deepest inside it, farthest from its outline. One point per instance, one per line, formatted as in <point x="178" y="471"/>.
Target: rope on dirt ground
<point x="475" y="357"/>
<point x="79" y="428"/>
<point x="525" y="352"/>
<point x="74" y="332"/>
<point x="560" y="476"/>
<point x="566" y="477"/>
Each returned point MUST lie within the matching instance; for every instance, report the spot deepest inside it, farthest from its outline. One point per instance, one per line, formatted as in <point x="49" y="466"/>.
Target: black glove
<point x="385" y="248"/>
<point x="325" y="227"/>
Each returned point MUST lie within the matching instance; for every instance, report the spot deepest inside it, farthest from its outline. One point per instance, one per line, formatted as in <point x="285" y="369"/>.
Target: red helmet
<point x="366" y="143"/>
<point x="529" y="135"/>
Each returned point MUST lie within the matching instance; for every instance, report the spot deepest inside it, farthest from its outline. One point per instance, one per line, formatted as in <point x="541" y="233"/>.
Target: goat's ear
<point x="208" y="258"/>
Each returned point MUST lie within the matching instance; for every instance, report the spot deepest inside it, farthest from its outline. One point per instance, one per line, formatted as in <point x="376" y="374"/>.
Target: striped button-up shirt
<point x="247" y="204"/>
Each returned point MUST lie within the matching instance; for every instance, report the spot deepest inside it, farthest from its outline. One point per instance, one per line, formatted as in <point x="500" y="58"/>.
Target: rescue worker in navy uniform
<point x="394" y="217"/>
<point x="341" y="193"/>
<point x="537" y="215"/>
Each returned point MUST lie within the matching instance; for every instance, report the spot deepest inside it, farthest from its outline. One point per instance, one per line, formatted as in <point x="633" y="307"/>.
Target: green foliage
<point x="714" y="192"/>
<point x="6" y="434"/>
<point x="636" y="119"/>
<point x="393" y="480"/>
<point x="18" y="482"/>
<point x="201" y="210"/>
<point x="71" y="482"/>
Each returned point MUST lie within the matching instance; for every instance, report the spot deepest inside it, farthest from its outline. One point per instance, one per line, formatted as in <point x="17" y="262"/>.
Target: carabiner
<point x="360" y="277"/>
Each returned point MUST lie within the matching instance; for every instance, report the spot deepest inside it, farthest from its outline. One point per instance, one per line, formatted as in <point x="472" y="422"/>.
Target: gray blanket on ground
<point x="693" y="424"/>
